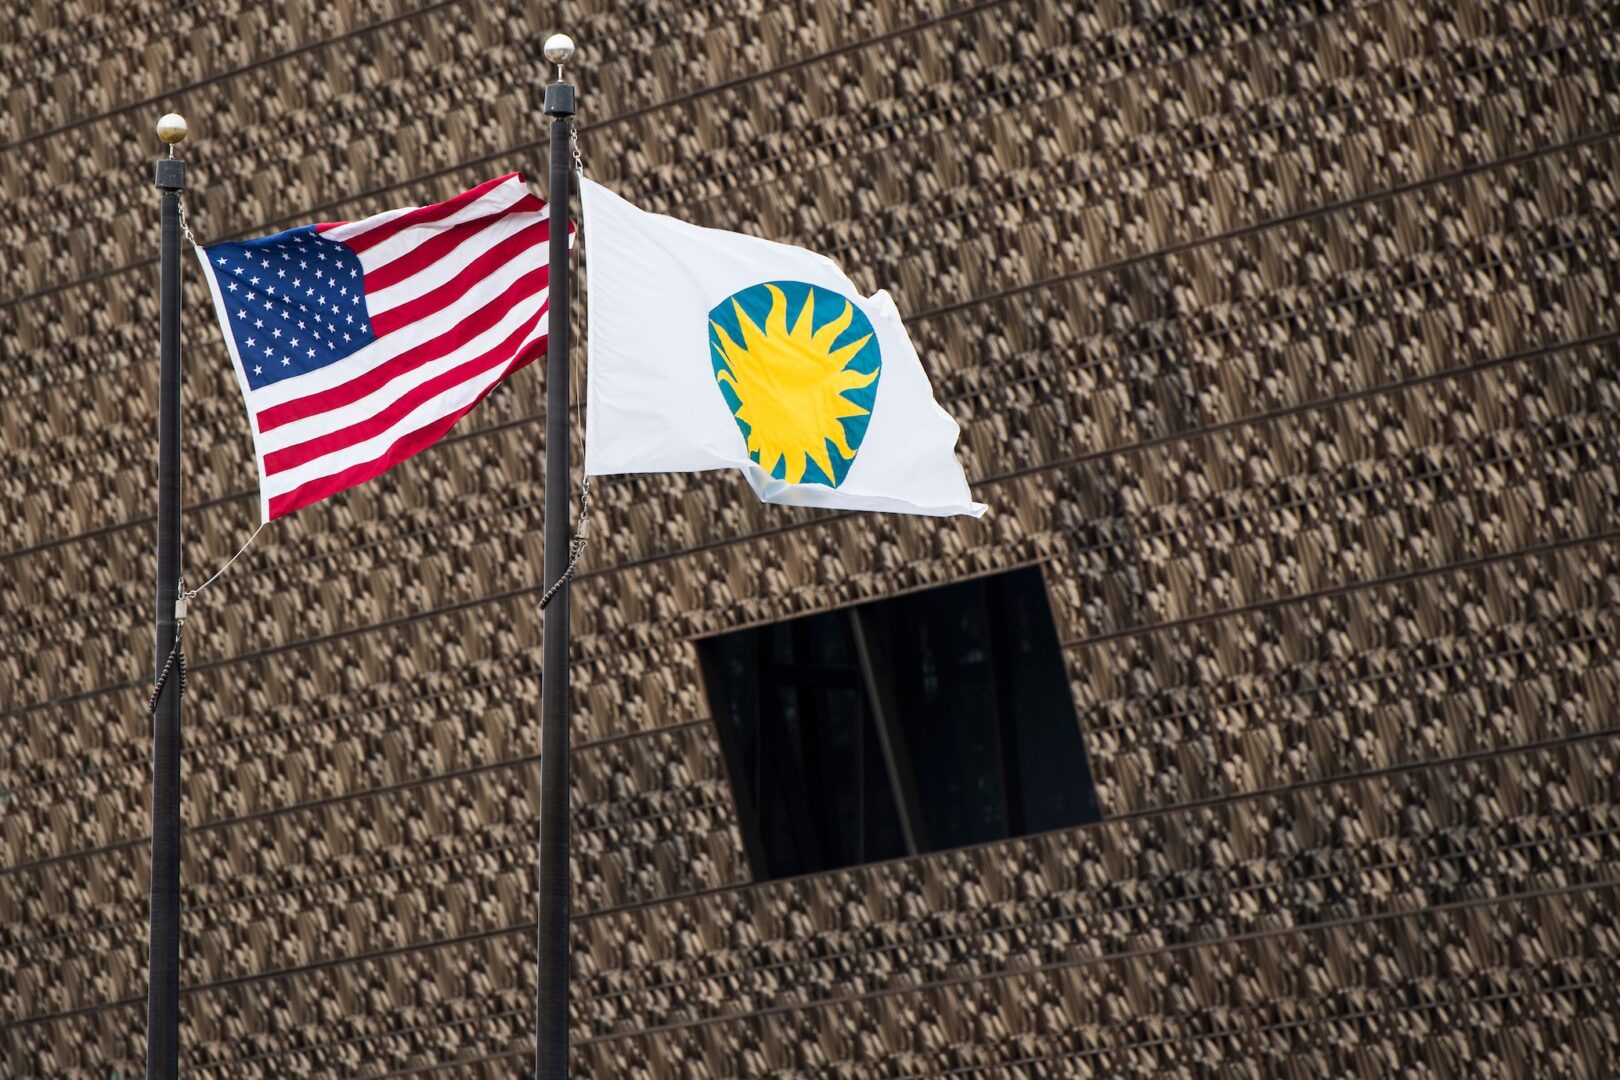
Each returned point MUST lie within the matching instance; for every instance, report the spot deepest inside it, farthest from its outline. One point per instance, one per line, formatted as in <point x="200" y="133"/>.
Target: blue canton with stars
<point x="295" y="302"/>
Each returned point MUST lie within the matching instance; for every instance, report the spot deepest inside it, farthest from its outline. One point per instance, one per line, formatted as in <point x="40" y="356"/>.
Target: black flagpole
<point x="163" y="965"/>
<point x="551" y="985"/>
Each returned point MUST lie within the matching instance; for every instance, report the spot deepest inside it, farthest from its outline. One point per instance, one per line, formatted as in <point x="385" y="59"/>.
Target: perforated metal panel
<point x="1283" y="335"/>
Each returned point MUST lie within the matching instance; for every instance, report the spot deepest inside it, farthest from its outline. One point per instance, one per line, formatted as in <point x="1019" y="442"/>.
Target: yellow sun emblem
<point x="797" y="395"/>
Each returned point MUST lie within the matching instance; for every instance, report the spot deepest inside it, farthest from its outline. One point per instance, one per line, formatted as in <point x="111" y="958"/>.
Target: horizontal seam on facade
<point x="1144" y="813"/>
<point x="1323" y="926"/>
<point x="1337" y="401"/>
<point x="1091" y="1051"/>
<point x="1015" y="290"/>
<point x="1079" y="70"/>
<point x="348" y="796"/>
<point x="1073" y="644"/>
<point x="252" y="65"/>
<point x="972" y="9"/>
<point x="1365" y="5"/>
<point x="520" y="675"/>
<point x="1572" y="739"/>
<point x="292" y="730"/>
<point x="1136" y="905"/>
<point x="1002" y="1064"/>
<point x="384" y="23"/>
<point x="1068" y="645"/>
<point x="1088" y="961"/>
<point x="1402" y="578"/>
<point x="418" y="1070"/>
<point x="358" y="1040"/>
<point x="528" y="759"/>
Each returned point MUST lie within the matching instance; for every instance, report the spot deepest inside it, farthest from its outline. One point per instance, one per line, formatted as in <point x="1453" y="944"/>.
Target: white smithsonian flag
<point x="715" y="350"/>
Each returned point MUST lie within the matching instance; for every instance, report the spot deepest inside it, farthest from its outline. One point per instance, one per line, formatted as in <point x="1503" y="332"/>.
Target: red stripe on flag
<point x="411" y="443"/>
<point x="441" y="244"/>
<point x="470" y="276"/>
<point x="292" y="456"/>
<point x="424" y="214"/>
<point x="455" y="336"/>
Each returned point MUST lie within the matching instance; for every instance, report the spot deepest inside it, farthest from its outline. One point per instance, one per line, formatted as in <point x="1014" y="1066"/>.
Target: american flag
<point x="360" y="343"/>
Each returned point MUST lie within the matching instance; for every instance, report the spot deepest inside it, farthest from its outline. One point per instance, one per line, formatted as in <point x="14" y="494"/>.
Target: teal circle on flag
<point x="798" y="366"/>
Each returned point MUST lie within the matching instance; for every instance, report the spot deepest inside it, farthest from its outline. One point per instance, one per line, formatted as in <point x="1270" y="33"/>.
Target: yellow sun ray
<point x="829" y="333"/>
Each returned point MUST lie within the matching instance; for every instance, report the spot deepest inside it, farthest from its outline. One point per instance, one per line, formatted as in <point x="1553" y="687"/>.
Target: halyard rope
<point x="576" y="546"/>
<point x="177" y="657"/>
<point x="222" y="569"/>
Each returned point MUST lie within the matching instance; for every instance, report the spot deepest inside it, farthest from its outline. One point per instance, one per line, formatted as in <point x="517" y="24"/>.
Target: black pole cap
<point x="560" y="99"/>
<point x="171" y="174"/>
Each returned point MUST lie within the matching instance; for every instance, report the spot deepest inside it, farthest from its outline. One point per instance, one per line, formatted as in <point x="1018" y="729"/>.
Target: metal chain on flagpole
<point x="185" y="227"/>
<point x="576" y="546"/>
<point x="177" y="656"/>
<point x="176" y="661"/>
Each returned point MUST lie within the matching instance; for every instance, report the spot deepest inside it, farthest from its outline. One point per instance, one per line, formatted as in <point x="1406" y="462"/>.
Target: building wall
<point x="1283" y="337"/>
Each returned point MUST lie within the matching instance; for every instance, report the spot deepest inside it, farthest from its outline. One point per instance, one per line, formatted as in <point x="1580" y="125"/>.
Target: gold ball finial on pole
<point x="171" y="128"/>
<point x="559" y="49"/>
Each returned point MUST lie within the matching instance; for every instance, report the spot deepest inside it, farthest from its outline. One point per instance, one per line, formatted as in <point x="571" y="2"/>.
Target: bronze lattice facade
<point x="1284" y="338"/>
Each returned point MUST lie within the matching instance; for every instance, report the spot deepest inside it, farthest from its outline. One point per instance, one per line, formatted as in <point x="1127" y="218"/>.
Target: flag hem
<point x="780" y="493"/>
<point x="590" y="338"/>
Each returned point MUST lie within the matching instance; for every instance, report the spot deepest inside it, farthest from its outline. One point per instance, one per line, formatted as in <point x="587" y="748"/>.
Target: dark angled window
<point x="928" y="721"/>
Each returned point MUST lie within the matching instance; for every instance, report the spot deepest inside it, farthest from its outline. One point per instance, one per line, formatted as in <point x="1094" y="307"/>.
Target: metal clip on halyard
<point x="182" y="599"/>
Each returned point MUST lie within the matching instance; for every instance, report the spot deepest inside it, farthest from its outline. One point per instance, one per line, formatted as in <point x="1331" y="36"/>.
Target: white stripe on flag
<point x="490" y="203"/>
<point x="451" y="401"/>
<point x="452" y="263"/>
<point x="363" y="409"/>
<point x="351" y="229"/>
<point x="389" y="346"/>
